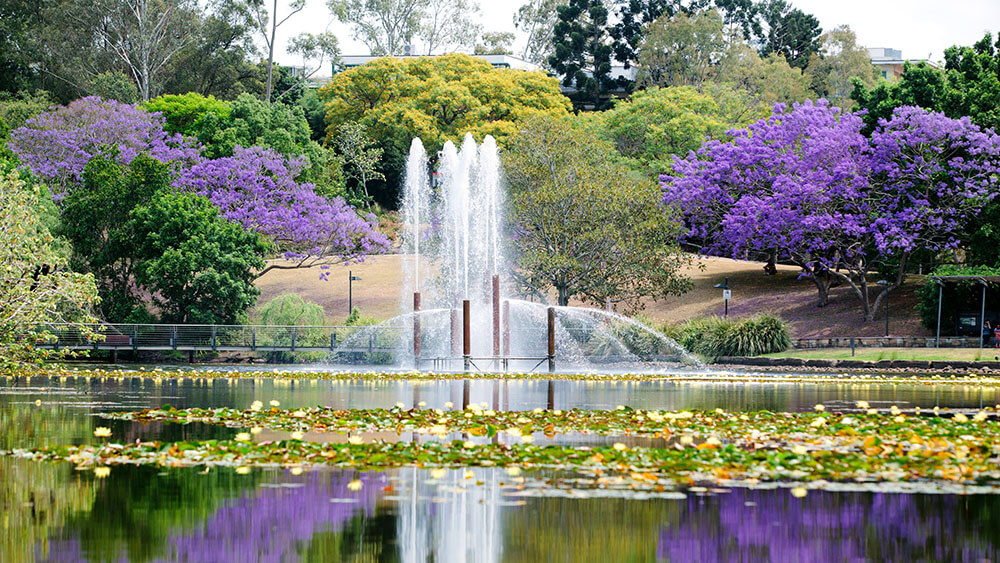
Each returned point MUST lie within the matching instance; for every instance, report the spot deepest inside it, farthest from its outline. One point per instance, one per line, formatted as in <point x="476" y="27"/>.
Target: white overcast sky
<point x="917" y="27"/>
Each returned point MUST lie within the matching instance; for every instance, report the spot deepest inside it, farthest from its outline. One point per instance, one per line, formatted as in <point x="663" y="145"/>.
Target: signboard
<point x="727" y="294"/>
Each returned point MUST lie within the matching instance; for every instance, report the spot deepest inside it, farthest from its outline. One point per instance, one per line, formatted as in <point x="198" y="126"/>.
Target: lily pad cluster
<point x="717" y="447"/>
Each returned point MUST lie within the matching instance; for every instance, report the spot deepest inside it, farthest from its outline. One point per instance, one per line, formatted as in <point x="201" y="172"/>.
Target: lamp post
<point x="351" y="278"/>
<point x="885" y="287"/>
<point x="726" y="294"/>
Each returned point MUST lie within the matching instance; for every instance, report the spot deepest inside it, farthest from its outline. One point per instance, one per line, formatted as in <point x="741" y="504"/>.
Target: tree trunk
<point x="563" y="295"/>
<point x="771" y="267"/>
<point x="270" y="51"/>
<point x="823" y="281"/>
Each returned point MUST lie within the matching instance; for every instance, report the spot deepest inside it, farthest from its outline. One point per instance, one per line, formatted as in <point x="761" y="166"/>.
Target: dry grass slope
<point x="379" y="291"/>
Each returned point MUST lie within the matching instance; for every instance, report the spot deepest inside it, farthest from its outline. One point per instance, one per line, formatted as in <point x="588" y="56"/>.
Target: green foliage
<point x="35" y="285"/>
<point x="583" y="224"/>
<point x="839" y="62"/>
<point x="252" y="122"/>
<point x="184" y="113"/>
<point x="437" y="99"/>
<point x="920" y="85"/>
<point x="714" y="337"/>
<point x="983" y="247"/>
<point x="114" y="85"/>
<point x="681" y="50"/>
<point x="955" y="296"/>
<point x="15" y="109"/>
<point x="582" y="54"/>
<point x="361" y="159"/>
<point x="94" y="219"/>
<point x="655" y="124"/>
<point x="198" y="267"/>
<point x="291" y="310"/>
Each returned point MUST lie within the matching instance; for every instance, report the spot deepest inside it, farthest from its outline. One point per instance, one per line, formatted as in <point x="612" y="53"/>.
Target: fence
<point x="223" y="338"/>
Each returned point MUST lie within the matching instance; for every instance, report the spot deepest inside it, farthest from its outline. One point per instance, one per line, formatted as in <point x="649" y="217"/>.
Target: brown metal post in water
<point x="496" y="316"/>
<point x="552" y="339"/>
<point x="416" y="329"/>
<point x="466" y="334"/>
<point x="551" y="396"/>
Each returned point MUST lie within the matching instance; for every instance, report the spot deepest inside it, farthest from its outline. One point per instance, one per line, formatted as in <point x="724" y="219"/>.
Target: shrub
<point x="291" y="310"/>
<point x="713" y="337"/>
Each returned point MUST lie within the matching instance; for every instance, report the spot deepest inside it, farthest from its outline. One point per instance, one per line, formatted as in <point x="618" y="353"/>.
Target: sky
<point x="918" y="27"/>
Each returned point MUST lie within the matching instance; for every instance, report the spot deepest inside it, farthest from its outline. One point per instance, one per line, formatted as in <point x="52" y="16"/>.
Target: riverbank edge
<point x="765" y="362"/>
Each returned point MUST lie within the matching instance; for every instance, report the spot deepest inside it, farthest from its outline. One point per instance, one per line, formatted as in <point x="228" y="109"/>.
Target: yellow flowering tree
<point x="35" y="286"/>
<point x="437" y="99"/>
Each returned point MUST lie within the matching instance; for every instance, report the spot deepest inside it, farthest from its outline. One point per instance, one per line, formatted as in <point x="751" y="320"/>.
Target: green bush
<point x="291" y="310"/>
<point x="356" y="322"/>
<point x="713" y="337"/>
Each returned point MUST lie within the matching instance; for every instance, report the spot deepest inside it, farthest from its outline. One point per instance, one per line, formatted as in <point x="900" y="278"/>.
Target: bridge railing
<point x="221" y="337"/>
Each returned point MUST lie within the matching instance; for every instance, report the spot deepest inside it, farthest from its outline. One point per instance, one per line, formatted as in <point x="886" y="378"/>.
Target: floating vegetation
<point x="707" y="447"/>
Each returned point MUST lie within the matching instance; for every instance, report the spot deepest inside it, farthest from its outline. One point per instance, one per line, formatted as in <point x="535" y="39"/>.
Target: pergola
<point x="941" y="280"/>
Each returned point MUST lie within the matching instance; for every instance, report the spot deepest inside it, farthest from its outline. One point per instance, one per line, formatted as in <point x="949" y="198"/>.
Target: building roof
<point x="498" y="61"/>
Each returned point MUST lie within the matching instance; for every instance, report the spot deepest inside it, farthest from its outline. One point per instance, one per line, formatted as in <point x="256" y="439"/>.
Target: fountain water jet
<point x="453" y="232"/>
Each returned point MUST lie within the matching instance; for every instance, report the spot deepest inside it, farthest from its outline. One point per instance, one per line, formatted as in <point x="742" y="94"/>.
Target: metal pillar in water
<point x="466" y="335"/>
<point x="416" y="329"/>
<point x="496" y="316"/>
<point x="552" y="339"/>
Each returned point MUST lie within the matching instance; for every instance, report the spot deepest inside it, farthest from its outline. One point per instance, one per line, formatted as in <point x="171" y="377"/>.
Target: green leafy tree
<point x="636" y="16"/>
<point x="655" y="124"/>
<point x="920" y="85"/>
<point x="974" y="82"/>
<point x="15" y="109"/>
<point x="114" y="85"/>
<point x="766" y="81"/>
<point x="198" y="267"/>
<point x="583" y="225"/>
<point x="361" y="159"/>
<point x="791" y="32"/>
<point x="386" y="27"/>
<point x="682" y="50"/>
<point x="582" y="55"/>
<point x="292" y="310"/>
<point x="183" y="113"/>
<point x="434" y="98"/>
<point x="94" y="219"/>
<point x="448" y="25"/>
<point x="495" y="43"/>
<point x="839" y="62"/>
<point x="537" y="19"/>
<point x="36" y="286"/>
<point x="222" y="60"/>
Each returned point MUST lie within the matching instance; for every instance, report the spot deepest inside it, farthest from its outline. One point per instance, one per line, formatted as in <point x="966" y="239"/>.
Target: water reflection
<point x="103" y="395"/>
<point x="51" y="512"/>
<point x="422" y="515"/>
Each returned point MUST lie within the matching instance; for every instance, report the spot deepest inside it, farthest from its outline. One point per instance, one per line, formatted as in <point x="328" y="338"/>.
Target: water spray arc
<point x="457" y="275"/>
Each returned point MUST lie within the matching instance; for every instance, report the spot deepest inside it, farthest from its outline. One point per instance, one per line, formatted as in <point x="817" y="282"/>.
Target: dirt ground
<point x="378" y="294"/>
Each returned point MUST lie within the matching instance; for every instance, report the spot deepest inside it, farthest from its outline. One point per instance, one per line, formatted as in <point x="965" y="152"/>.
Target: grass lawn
<point x="876" y="354"/>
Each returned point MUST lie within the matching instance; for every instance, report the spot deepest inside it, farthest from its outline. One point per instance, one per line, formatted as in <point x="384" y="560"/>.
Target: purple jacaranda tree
<point x="257" y="188"/>
<point x="57" y="145"/>
<point x="806" y="186"/>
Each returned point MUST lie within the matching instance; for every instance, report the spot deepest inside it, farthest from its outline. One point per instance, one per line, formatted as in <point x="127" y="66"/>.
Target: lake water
<point x="53" y="513"/>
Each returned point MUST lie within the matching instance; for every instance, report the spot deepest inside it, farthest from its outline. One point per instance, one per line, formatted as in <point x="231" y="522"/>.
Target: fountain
<point x="456" y="269"/>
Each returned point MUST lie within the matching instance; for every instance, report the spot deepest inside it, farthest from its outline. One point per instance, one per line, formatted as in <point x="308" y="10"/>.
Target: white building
<point x="889" y="62"/>
<point x="498" y="61"/>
